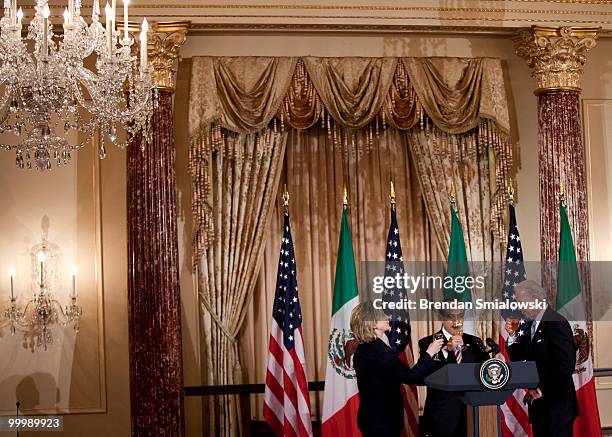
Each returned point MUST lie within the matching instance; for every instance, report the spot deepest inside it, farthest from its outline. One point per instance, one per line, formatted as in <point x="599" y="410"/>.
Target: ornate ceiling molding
<point x="351" y="15"/>
<point x="556" y="55"/>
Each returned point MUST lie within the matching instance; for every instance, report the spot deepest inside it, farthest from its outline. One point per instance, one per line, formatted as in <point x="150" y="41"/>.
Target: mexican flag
<point x="458" y="268"/>
<point x="571" y="306"/>
<point x="341" y="400"/>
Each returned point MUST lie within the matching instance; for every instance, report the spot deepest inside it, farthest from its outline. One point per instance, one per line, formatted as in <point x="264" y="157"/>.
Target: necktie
<point x="458" y="354"/>
<point x="533" y="329"/>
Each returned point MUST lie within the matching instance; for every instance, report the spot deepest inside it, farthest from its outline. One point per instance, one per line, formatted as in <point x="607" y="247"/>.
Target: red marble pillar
<point x="557" y="57"/>
<point x="156" y="364"/>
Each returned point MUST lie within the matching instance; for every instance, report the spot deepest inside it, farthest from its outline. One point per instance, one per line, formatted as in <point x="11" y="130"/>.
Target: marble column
<point x="556" y="56"/>
<point x="156" y="365"/>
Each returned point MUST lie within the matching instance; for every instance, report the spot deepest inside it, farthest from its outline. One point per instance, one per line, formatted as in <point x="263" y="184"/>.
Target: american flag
<point x="515" y="421"/>
<point x="399" y="335"/>
<point x="287" y="403"/>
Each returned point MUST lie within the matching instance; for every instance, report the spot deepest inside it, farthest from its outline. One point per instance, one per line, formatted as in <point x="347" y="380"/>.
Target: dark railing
<point x="601" y="372"/>
<point x="244" y="392"/>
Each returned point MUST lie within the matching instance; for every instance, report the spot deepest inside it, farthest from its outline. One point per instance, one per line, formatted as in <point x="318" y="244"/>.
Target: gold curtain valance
<point x="244" y="94"/>
<point x="459" y="104"/>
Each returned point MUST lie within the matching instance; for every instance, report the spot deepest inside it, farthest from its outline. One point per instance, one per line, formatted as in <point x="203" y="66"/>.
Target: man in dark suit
<point x="546" y="339"/>
<point x="445" y="415"/>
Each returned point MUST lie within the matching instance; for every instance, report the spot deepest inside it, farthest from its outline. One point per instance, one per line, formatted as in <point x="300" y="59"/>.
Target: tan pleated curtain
<point x="245" y="169"/>
<point x="428" y="124"/>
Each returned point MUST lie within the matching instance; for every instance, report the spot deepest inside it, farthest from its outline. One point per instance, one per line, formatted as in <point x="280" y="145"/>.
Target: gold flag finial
<point x="285" y="197"/>
<point x="345" y="198"/>
<point x="511" y="191"/>
<point x="562" y="193"/>
<point x="392" y="195"/>
<point x="453" y="196"/>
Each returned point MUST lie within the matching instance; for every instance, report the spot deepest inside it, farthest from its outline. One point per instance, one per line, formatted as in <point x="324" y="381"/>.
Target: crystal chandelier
<point x="48" y="93"/>
<point x="42" y="311"/>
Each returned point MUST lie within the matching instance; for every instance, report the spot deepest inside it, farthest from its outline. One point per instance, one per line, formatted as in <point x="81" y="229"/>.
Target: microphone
<point x="493" y="347"/>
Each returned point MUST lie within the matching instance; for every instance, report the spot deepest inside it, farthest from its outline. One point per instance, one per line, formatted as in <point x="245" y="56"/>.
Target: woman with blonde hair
<point x="380" y="373"/>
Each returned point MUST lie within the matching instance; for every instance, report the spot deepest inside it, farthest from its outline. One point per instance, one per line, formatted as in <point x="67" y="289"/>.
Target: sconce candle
<point x="74" y="271"/>
<point x="12" y="275"/>
<point x="41" y="260"/>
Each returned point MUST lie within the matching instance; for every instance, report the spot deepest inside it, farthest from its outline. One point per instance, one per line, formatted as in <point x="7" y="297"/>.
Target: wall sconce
<point x="42" y="311"/>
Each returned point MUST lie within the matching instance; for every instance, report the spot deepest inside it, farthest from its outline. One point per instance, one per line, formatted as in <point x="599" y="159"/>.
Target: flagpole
<point x="392" y="196"/>
<point x="562" y="194"/>
<point x="345" y="198"/>
<point x="286" y="199"/>
<point x="511" y="192"/>
<point x="453" y="197"/>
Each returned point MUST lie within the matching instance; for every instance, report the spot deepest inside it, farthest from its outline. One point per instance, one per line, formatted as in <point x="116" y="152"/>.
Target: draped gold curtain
<point x="245" y="171"/>
<point x="428" y="123"/>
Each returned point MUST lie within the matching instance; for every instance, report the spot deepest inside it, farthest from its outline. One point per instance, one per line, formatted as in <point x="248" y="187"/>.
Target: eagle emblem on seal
<point x="341" y="348"/>
<point x="494" y="374"/>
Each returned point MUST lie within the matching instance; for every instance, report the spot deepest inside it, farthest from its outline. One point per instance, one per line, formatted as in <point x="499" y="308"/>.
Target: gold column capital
<point x="556" y="55"/>
<point x="165" y="41"/>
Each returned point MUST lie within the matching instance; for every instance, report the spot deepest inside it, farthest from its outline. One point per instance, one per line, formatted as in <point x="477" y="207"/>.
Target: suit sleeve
<point x="517" y="351"/>
<point x="400" y="372"/>
<point x="563" y="349"/>
<point x="423" y="345"/>
<point x="480" y="350"/>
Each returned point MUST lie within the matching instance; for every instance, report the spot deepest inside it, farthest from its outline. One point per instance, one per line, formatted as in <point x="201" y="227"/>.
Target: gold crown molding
<point x="556" y="55"/>
<point x="172" y="5"/>
<point x="379" y="17"/>
<point x="206" y="28"/>
<point x="418" y="29"/>
<point x="584" y="2"/>
<point x="370" y="8"/>
<point x="361" y="8"/>
<point x="200" y="28"/>
<point x="165" y="41"/>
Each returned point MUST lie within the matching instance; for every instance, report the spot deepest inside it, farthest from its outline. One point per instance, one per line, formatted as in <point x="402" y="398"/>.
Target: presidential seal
<point x="494" y="374"/>
<point x="342" y="346"/>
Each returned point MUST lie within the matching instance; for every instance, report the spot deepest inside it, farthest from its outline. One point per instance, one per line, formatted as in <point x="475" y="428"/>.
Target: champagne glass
<point x="437" y="336"/>
<point x="459" y="331"/>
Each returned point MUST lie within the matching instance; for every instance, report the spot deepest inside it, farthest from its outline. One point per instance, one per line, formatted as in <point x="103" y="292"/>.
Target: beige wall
<point x="115" y="421"/>
<point x="598" y="136"/>
<point x="80" y="390"/>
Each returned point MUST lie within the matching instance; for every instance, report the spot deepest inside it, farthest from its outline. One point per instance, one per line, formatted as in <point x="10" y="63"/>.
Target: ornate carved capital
<point x="165" y="41"/>
<point x="556" y="55"/>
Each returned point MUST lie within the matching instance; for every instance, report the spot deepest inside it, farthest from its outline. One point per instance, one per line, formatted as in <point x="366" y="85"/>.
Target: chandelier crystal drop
<point x="58" y="91"/>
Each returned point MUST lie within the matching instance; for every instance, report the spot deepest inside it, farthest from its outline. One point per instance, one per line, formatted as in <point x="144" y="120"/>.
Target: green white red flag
<point x="570" y="304"/>
<point x="341" y="398"/>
